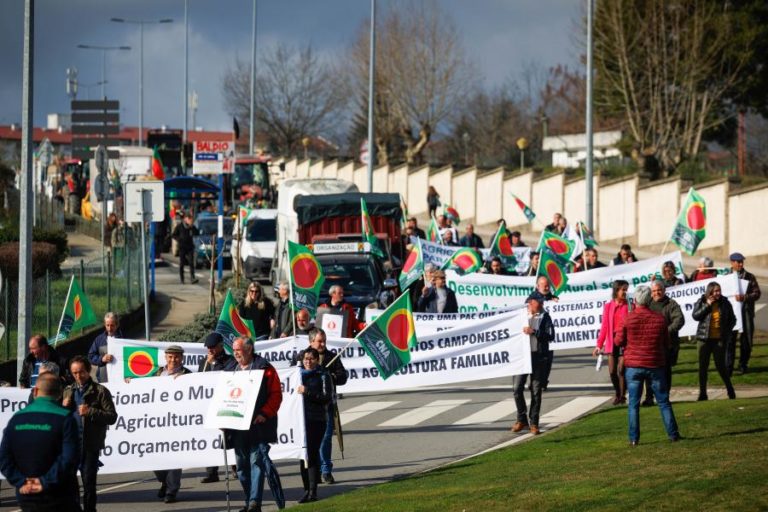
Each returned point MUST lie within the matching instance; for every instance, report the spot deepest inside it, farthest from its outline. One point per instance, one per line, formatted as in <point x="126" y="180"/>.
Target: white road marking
<point x="360" y="411"/>
<point x="572" y="410"/>
<point x="490" y="414"/>
<point x="423" y="413"/>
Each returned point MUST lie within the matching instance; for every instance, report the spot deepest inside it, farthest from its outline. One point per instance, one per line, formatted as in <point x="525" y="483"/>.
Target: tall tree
<point x="297" y="95"/>
<point x="421" y="76"/>
<point x="667" y="67"/>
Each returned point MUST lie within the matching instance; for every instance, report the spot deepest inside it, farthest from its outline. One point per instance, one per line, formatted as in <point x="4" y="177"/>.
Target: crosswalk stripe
<point x="490" y="414"/>
<point x="355" y="413"/>
<point x="423" y="413"/>
<point x="572" y="409"/>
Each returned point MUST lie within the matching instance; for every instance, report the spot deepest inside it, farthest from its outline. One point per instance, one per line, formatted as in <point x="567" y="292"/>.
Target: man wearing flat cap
<point x="217" y="360"/>
<point x="170" y="480"/>
<point x="748" y="298"/>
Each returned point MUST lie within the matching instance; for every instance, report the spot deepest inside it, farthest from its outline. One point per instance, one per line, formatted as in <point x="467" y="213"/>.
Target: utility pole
<point x="251" y="125"/>
<point x="590" y="72"/>
<point x="371" y="75"/>
<point x="24" y="329"/>
<point x="186" y="70"/>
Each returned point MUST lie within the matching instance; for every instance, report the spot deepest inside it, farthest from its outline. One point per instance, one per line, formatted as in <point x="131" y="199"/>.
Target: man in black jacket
<point x="282" y="324"/>
<point x="185" y="234"/>
<point x="40" y="451"/>
<point x="747" y="298"/>
<point x="217" y="360"/>
<point x="541" y="332"/>
<point x="39" y="353"/>
<point x="95" y="411"/>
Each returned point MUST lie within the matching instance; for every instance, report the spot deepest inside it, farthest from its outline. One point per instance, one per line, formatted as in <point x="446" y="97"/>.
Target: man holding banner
<point x="541" y="332"/>
<point x="252" y="446"/>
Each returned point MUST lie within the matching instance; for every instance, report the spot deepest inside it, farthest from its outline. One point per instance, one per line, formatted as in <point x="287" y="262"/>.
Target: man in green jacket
<point x="94" y="411"/>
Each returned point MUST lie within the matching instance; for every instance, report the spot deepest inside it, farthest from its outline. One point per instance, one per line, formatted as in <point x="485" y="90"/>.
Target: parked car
<point x="208" y="226"/>
<point x="259" y="242"/>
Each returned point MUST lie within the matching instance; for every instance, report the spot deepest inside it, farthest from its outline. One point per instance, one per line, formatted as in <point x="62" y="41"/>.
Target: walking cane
<point x="226" y="465"/>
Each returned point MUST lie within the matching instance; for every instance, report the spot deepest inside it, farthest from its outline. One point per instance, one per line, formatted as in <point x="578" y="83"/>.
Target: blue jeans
<point x="326" y="464"/>
<point x="635" y="378"/>
<point x="250" y="466"/>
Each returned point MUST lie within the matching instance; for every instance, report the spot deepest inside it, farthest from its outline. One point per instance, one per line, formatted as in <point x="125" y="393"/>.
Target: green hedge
<point x="45" y="256"/>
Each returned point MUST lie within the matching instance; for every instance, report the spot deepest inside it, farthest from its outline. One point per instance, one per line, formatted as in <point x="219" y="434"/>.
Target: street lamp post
<point x="104" y="50"/>
<point x="141" y="24"/>
<point x="522" y="145"/>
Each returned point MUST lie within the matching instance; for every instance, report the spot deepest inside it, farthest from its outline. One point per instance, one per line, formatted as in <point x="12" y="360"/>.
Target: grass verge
<point x="719" y="465"/>
<point x="686" y="373"/>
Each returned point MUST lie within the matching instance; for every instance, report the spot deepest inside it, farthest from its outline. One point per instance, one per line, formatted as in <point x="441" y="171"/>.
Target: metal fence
<point x="111" y="284"/>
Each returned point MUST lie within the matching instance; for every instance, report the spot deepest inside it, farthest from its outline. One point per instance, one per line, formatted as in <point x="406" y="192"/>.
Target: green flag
<point x="231" y="325"/>
<point x="413" y="266"/>
<point x="388" y="339"/>
<point x="242" y="215"/>
<point x="306" y="278"/>
<point x="691" y="225"/>
<point x="587" y="237"/>
<point x="464" y="261"/>
<point x="78" y="313"/>
<point x="433" y="232"/>
<point x="561" y="247"/>
<point x="140" y="362"/>
<point x="369" y="235"/>
<point x="502" y="247"/>
<point x="526" y="211"/>
<point x="551" y="266"/>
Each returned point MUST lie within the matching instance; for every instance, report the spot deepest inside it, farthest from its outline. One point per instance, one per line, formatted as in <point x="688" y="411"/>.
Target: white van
<point x="287" y="222"/>
<point x="259" y="242"/>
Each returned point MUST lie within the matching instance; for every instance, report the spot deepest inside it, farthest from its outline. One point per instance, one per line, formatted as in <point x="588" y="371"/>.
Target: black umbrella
<point x="273" y="477"/>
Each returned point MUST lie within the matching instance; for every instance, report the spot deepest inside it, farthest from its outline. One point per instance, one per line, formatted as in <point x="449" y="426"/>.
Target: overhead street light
<point x="104" y="50"/>
<point x="141" y="24"/>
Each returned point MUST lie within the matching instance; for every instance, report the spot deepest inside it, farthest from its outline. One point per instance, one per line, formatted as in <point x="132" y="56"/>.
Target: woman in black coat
<point x="716" y="322"/>
<point x="258" y="309"/>
<point x="317" y="391"/>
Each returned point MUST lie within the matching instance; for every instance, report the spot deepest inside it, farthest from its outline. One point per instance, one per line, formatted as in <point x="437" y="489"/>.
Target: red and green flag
<point x="388" y="339"/>
<point x="433" y="232"/>
<point x="587" y="237"/>
<point x="451" y="213"/>
<point x="369" y="234"/>
<point x="561" y="247"/>
<point x="524" y="207"/>
<point x="691" y="225"/>
<point x="464" y="261"/>
<point x="231" y="325"/>
<point x="242" y="214"/>
<point x="158" y="171"/>
<point x="306" y="278"/>
<point x="551" y="266"/>
<point x="413" y="267"/>
<point x="77" y="314"/>
<point x="502" y="247"/>
<point x="140" y="362"/>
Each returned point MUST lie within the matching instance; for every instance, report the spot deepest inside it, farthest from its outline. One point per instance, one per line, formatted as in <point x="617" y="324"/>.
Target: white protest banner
<point x="437" y="254"/>
<point x="160" y="423"/>
<point x="522" y="255"/>
<point x="486" y="349"/>
<point x="138" y="358"/>
<point x="482" y="292"/>
<point x="234" y="399"/>
<point x="430" y="323"/>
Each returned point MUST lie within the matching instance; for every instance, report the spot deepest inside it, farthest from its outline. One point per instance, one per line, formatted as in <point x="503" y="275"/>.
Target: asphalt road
<point x="385" y="436"/>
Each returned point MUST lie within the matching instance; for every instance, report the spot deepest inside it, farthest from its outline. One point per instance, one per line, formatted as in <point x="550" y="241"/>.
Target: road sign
<point x="213" y="157"/>
<point x="92" y="123"/>
<point x="137" y="203"/>
<point x="102" y="159"/>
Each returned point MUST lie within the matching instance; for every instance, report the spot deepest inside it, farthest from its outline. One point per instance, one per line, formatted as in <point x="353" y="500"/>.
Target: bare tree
<point x="666" y="67"/>
<point x="421" y="76"/>
<point x="297" y="95"/>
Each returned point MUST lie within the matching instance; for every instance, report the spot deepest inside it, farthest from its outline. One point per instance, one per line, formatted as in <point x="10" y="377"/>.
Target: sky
<point x="499" y="36"/>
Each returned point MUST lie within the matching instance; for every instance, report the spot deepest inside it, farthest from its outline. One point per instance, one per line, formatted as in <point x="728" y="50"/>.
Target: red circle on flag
<point x="695" y="217"/>
<point x="237" y="323"/>
<point x="464" y="261"/>
<point x="410" y="262"/>
<point x="505" y="246"/>
<point x="305" y="272"/>
<point x="141" y="363"/>
<point x="558" y="246"/>
<point x="78" y="307"/>
<point x="399" y="330"/>
<point x="554" y="274"/>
